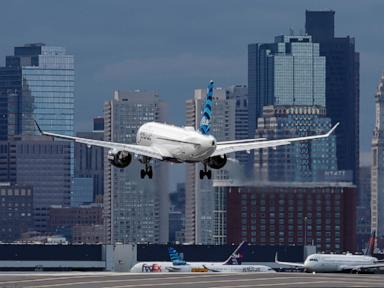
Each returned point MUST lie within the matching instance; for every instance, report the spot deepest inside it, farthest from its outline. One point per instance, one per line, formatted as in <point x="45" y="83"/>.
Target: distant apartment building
<point x="342" y="85"/>
<point x="377" y="172"/>
<point x="199" y="195"/>
<point x="291" y="213"/>
<point x="136" y="210"/>
<point x="16" y="211"/>
<point x="89" y="161"/>
<point x="42" y="164"/>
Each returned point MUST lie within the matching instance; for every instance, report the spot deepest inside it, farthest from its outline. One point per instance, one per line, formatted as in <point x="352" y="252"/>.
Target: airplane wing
<point x="210" y="269"/>
<point x="148" y="151"/>
<point x="288" y="263"/>
<point x="362" y="267"/>
<point x="225" y="147"/>
<point x="173" y="269"/>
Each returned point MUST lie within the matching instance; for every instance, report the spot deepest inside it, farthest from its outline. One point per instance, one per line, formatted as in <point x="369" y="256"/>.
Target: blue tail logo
<point x="175" y="257"/>
<point x="205" y="122"/>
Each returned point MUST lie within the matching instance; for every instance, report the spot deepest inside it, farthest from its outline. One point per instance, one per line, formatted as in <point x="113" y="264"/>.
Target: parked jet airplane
<point x="181" y="144"/>
<point x="177" y="264"/>
<point x="340" y="262"/>
<point x="232" y="264"/>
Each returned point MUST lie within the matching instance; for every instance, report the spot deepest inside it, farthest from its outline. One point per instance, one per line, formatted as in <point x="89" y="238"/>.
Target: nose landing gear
<point x="147" y="169"/>
<point x="205" y="172"/>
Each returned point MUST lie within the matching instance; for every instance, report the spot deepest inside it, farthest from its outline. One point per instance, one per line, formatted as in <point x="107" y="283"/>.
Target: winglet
<point x="333" y="129"/>
<point x="276" y="258"/>
<point x="38" y="127"/>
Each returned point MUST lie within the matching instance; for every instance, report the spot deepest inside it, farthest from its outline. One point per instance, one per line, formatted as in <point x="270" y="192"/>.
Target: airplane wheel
<point x="142" y="173"/>
<point x="150" y="173"/>
<point x="201" y="174"/>
<point x="209" y="174"/>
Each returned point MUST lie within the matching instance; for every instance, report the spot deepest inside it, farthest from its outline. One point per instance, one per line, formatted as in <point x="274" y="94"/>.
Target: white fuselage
<point x="179" y="144"/>
<point x="163" y="266"/>
<point x="335" y="262"/>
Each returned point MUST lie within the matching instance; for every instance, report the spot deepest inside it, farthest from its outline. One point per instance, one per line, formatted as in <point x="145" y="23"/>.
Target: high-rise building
<point x="199" y="197"/>
<point x="377" y="173"/>
<point x="363" y="208"/>
<point x="301" y="161"/>
<point x="177" y="214"/>
<point x="37" y="82"/>
<point x="342" y="86"/>
<point x="135" y="210"/>
<point x="42" y="164"/>
<point x="89" y="161"/>
<point x="289" y="71"/>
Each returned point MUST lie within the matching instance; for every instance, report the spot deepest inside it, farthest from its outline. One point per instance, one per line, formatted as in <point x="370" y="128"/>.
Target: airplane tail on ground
<point x="237" y="255"/>
<point x="175" y="257"/>
<point x="371" y="244"/>
<point x="205" y="122"/>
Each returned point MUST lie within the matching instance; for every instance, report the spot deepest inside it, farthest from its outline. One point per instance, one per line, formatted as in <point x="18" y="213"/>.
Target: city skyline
<point x="119" y="53"/>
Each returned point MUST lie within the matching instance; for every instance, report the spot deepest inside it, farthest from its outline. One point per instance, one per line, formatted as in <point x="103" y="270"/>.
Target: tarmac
<point x="187" y="280"/>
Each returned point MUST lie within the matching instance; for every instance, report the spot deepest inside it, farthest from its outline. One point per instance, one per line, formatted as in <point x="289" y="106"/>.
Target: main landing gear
<point x="147" y="169"/>
<point x="205" y="172"/>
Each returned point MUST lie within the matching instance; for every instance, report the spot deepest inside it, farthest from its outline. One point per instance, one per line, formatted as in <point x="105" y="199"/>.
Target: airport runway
<point x="187" y="280"/>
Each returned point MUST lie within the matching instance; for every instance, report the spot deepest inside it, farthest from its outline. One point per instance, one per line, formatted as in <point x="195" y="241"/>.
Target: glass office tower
<point x="289" y="71"/>
<point x="45" y="92"/>
<point x="342" y="85"/>
<point x="37" y="82"/>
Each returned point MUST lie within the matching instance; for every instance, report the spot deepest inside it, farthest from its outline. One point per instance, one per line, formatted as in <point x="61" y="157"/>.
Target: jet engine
<point x="217" y="162"/>
<point x="120" y="159"/>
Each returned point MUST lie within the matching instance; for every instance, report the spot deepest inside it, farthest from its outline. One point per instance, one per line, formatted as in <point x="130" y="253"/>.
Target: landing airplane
<point x="177" y="264"/>
<point x="340" y="262"/>
<point x="181" y="144"/>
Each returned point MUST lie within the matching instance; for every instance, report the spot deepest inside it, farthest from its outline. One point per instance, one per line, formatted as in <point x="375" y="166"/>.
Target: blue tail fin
<point x="205" y="122"/>
<point x="175" y="257"/>
<point x="237" y="255"/>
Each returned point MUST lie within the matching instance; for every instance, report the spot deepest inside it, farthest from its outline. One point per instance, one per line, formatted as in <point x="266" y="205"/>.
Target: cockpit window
<point x="313" y="259"/>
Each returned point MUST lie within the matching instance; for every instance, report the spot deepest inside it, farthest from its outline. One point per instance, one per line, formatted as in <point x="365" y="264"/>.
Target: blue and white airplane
<point x="181" y="144"/>
<point x="177" y="264"/>
<point x="232" y="264"/>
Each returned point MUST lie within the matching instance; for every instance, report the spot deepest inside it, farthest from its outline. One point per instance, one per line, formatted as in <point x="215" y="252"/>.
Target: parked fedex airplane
<point x="177" y="264"/>
<point x="181" y="144"/>
<point x="340" y="262"/>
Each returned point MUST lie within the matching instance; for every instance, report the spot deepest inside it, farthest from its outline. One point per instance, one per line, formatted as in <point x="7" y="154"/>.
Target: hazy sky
<point x="176" y="46"/>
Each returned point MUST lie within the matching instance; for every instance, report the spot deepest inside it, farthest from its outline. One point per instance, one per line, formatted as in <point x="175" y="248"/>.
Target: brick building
<point x="322" y="214"/>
